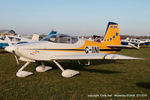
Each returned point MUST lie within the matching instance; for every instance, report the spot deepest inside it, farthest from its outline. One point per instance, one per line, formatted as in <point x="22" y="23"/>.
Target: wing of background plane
<point x="144" y="43"/>
<point x="91" y="56"/>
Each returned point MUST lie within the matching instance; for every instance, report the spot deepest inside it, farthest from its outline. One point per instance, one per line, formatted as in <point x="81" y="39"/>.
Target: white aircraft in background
<point x="58" y="47"/>
<point x="135" y="42"/>
<point x="20" y="40"/>
<point x="17" y="40"/>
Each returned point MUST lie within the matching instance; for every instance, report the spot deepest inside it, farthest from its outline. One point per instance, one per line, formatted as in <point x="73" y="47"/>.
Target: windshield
<point x="60" y="38"/>
<point x="14" y="39"/>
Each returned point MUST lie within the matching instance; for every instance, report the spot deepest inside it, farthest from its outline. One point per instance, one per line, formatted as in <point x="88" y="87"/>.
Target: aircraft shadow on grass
<point x="144" y="47"/>
<point x="83" y="67"/>
<point x="145" y="85"/>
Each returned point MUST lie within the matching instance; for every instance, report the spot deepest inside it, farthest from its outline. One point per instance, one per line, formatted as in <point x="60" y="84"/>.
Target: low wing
<point x="144" y="43"/>
<point x="130" y="46"/>
<point x="91" y="56"/>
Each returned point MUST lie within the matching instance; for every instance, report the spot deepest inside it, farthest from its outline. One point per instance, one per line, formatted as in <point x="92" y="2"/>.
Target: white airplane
<point x="17" y="40"/>
<point x="134" y="42"/>
<point x="58" y="47"/>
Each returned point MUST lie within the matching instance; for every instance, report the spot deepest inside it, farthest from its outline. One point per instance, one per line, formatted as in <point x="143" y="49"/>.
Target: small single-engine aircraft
<point x="64" y="47"/>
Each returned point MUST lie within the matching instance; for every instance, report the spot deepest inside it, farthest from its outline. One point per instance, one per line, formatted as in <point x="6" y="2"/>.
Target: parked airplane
<point x="64" y="47"/>
<point x="136" y="42"/>
<point x="17" y="40"/>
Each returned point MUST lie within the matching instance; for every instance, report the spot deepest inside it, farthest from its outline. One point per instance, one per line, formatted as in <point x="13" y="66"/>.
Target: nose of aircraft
<point x="10" y="49"/>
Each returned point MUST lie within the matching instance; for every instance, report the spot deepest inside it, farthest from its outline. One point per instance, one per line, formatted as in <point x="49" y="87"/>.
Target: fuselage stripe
<point x="78" y="49"/>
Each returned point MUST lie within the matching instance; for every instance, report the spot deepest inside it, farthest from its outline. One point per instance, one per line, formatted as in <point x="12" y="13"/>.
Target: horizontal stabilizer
<point x="123" y="46"/>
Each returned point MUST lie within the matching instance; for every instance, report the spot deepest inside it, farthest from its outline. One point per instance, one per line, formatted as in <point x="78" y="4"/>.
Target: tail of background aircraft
<point x="52" y="32"/>
<point x="35" y="37"/>
<point x="112" y="36"/>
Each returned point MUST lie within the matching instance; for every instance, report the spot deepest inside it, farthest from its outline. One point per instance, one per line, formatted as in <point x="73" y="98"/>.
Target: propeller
<point x="12" y="51"/>
<point x="8" y="40"/>
<point x="17" y="61"/>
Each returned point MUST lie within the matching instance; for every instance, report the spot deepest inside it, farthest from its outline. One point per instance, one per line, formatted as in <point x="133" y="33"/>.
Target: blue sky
<point x="77" y="17"/>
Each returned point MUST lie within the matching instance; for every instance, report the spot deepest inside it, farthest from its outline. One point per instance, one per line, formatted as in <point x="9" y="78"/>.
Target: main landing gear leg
<point x="85" y="64"/>
<point x="88" y="62"/>
<point x="22" y="73"/>
<point x="43" y="68"/>
<point x="66" y="73"/>
<point x="79" y="62"/>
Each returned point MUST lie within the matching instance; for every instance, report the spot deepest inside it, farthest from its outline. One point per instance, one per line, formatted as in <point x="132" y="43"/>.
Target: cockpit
<point x="60" y="38"/>
<point x="12" y="38"/>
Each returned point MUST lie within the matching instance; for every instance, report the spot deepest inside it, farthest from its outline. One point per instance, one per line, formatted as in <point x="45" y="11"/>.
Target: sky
<point x="75" y="17"/>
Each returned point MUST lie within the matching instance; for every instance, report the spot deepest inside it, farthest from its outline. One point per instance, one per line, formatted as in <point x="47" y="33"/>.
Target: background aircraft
<point x="136" y="42"/>
<point x="57" y="47"/>
<point x="20" y="40"/>
<point x="17" y="40"/>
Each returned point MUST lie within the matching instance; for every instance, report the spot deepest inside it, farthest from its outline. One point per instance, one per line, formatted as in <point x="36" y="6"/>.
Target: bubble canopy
<point x="61" y="38"/>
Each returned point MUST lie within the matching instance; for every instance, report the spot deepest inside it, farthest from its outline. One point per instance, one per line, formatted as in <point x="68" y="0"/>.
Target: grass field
<point x="100" y="78"/>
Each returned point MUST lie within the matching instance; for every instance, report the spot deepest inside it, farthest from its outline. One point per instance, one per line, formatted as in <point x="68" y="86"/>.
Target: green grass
<point x="101" y="77"/>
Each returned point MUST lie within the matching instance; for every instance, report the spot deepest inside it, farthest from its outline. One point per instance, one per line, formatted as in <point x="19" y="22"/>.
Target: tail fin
<point x="35" y="37"/>
<point x="112" y="36"/>
<point x="52" y="32"/>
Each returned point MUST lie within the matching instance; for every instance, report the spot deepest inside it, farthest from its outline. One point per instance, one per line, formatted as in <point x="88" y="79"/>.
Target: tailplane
<point x="112" y="36"/>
